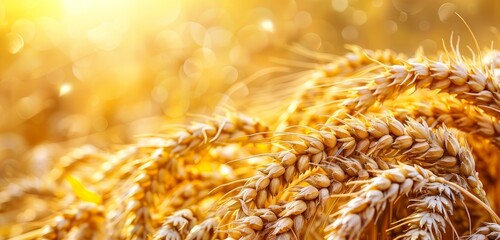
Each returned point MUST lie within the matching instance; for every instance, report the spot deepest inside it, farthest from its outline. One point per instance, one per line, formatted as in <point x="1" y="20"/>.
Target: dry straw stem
<point x="464" y="79"/>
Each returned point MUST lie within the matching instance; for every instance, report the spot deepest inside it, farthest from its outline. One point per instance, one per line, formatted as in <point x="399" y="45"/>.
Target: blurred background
<point x="75" y="72"/>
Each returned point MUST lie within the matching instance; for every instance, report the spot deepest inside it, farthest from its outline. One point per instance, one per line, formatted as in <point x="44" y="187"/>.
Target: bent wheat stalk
<point x="475" y="84"/>
<point x="364" y="169"/>
<point x="151" y="180"/>
<point x="438" y="151"/>
<point x="439" y="109"/>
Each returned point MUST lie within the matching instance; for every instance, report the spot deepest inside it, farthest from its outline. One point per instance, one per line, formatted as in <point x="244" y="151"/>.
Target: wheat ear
<point x="432" y="211"/>
<point x="466" y="81"/>
<point x="176" y="226"/>
<point x="319" y="88"/>
<point x="489" y="231"/>
<point x="85" y="219"/>
<point x="440" y="151"/>
<point x="390" y="184"/>
<point x="165" y="166"/>
<point x="439" y="109"/>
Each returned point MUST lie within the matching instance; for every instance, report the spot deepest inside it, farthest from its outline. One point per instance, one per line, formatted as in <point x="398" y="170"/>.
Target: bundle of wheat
<point x="378" y="147"/>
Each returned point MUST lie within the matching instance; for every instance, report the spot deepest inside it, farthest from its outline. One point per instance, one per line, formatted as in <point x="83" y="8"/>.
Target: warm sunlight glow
<point x="267" y="25"/>
<point x="65" y="89"/>
<point x="249" y="119"/>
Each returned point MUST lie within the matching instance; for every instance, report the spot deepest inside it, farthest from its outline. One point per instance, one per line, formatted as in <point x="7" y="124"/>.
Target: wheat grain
<point x="152" y="179"/>
<point x="85" y="219"/>
<point x="412" y="141"/>
<point x="432" y="209"/>
<point x="441" y="109"/>
<point x="177" y="226"/>
<point x="490" y="231"/>
<point x="303" y="208"/>
<point x="203" y="231"/>
<point x="466" y="81"/>
<point x="197" y="181"/>
<point x="390" y="184"/>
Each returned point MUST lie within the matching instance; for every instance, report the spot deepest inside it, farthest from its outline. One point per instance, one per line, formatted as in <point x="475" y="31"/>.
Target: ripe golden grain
<point x="367" y="151"/>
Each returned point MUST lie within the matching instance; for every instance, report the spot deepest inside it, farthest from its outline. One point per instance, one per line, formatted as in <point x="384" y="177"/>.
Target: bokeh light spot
<point x="65" y="89"/>
<point x="446" y="10"/>
<point x="25" y="28"/>
<point x="359" y="17"/>
<point x="391" y="26"/>
<point x="15" y="42"/>
<point x="350" y="33"/>
<point x="267" y="25"/>
<point x="340" y="5"/>
<point x="302" y="19"/>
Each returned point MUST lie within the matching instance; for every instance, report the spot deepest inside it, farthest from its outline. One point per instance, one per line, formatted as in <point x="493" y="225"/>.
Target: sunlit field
<point x="341" y="119"/>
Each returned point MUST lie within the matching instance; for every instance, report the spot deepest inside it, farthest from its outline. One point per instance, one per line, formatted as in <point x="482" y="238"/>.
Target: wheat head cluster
<point x="374" y="145"/>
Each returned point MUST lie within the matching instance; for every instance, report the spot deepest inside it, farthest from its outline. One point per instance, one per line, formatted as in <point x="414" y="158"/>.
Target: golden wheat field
<point x="223" y="119"/>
